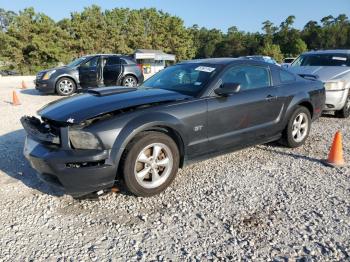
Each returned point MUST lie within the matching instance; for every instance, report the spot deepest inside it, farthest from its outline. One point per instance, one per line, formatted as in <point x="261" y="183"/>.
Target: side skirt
<point x="230" y="150"/>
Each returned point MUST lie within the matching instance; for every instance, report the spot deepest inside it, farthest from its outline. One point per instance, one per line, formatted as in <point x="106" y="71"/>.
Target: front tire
<point x="298" y="128"/>
<point x="150" y="163"/>
<point x="65" y="86"/>
<point x="345" y="112"/>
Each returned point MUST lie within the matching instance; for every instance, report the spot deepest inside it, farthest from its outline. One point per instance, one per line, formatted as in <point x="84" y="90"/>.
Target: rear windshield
<point x="188" y="79"/>
<point x="333" y="59"/>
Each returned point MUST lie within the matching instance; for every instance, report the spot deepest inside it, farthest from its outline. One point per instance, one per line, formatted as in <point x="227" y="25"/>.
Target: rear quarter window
<point x="127" y="61"/>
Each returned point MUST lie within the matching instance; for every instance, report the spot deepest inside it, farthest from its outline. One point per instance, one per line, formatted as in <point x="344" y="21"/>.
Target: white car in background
<point x="332" y="67"/>
<point x="287" y="61"/>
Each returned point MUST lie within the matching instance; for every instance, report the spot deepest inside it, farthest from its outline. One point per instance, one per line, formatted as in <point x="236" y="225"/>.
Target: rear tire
<point x="345" y="112"/>
<point x="129" y="81"/>
<point x="65" y="86"/>
<point x="150" y="163"/>
<point x="298" y="128"/>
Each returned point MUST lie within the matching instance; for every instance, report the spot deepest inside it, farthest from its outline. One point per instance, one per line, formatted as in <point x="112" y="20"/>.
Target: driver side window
<point x="249" y="77"/>
<point x="92" y="62"/>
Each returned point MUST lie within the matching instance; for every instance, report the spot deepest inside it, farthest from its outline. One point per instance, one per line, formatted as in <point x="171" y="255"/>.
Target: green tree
<point x="205" y="41"/>
<point x="33" y="41"/>
<point x="312" y="35"/>
<point x="270" y="30"/>
<point x="272" y="50"/>
<point x="232" y="44"/>
<point x="87" y="31"/>
<point x="289" y="39"/>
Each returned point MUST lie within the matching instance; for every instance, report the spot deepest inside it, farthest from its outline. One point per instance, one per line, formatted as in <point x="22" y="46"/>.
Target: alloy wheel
<point x="130" y="82"/>
<point x="300" y="127"/>
<point x="153" y="165"/>
<point x="66" y="86"/>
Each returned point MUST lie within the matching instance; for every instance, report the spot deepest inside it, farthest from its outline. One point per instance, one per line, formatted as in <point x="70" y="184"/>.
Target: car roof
<point x="223" y="61"/>
<point x="329" y="51"/>
<point x="106" y="55"/>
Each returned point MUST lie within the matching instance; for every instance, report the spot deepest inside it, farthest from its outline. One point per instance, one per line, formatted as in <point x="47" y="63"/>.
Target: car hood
<point x="79" y="108"/>
<point x="60" y="68"/>
<point x="324" y="73"/>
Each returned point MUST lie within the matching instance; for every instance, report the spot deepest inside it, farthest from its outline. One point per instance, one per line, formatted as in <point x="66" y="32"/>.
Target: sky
<point x="247" y="15"/>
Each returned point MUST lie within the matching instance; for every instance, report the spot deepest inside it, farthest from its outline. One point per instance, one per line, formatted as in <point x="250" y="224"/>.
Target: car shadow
<point x="32" y="92"/>
<point x="329" y="115"/>
<point x="15" y="167"/>
<point x="275" y="150"/>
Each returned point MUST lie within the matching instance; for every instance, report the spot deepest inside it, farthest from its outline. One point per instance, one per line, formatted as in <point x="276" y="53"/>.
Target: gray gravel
<point x="262" y="203"/>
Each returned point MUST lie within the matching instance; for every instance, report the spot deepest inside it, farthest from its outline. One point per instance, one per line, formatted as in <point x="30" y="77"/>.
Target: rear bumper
<point x="45" y="86"/>
<point x="335" y="100"/>
<point x="77" y="172"/>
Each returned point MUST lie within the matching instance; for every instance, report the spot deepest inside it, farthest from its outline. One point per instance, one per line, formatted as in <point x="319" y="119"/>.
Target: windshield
<point x="76" y="62"/>
<point x="322" y="60"/>
<point x="188" y="79"/>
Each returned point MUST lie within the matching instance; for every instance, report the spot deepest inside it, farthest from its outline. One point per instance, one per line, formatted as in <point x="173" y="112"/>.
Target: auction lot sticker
<point x="205" y="69"/>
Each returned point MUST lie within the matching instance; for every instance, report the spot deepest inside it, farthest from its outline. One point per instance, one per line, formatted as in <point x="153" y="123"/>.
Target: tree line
<point x="31" y="41"/>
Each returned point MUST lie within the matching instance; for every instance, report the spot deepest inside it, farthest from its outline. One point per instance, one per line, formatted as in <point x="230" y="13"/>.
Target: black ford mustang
<point x="189" y="111"/>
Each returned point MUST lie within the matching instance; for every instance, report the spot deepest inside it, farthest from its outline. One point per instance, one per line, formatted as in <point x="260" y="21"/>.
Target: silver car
<point x="332" y="67"/>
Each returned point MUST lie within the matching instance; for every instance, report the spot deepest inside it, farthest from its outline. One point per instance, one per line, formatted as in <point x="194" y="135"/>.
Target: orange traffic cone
<point x="114" y="189"/>
<point x="335" y="157"/>
<point x="15" y="100"/>
<point x="24" y="85"/>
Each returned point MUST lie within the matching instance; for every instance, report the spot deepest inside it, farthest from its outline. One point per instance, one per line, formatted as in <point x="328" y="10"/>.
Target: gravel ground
<point x="259" y="204"/>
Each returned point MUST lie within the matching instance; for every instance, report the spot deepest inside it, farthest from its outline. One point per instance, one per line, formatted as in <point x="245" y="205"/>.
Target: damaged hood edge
<point x="79" y="108"/>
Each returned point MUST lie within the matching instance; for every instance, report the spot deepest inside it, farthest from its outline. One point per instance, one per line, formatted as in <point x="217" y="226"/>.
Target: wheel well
<point x="305" y="104"/>
<point x="309" y="106"/>
<point x="164" y="129"/>
<point x="76" y="85"/>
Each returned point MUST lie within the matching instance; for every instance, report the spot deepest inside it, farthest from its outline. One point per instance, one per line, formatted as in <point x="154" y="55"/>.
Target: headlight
<point x="48" y="74"/>
<point x="84" y="140"/>
<point x="335" y="86"/>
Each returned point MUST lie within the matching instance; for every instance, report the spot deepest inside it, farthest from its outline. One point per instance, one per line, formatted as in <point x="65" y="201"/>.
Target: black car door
<point x="88" y="72"/>
<point x="112" y="70"/>
<point x="243" y="118"/>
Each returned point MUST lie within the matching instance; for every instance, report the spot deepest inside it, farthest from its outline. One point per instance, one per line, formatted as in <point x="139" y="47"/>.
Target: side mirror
<point x="227" y="89"/>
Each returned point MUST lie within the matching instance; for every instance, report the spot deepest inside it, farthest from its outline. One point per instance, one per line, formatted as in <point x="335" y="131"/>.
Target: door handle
<point x="270" y="98"/>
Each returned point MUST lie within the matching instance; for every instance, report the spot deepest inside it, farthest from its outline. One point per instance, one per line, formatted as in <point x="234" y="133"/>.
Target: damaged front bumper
<point x="76" y="171"/>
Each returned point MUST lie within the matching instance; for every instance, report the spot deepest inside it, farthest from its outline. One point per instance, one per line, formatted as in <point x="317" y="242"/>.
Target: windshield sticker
<point x="205" y="69"/>
<point x="339" y="58"/>
<point x="197" y="83"/>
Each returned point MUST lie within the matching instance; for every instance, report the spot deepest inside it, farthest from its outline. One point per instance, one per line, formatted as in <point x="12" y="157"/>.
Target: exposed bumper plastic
<point x="78" y="172"/>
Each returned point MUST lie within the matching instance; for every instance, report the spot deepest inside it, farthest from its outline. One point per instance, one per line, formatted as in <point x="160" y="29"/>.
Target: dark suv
<point x="90" y="71"/>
